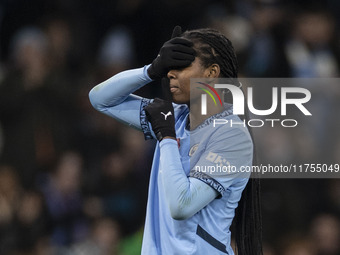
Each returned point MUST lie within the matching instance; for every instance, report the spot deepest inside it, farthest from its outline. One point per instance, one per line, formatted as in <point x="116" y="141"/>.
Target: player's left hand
<point x="160" y="114"/>
<point x="176" y="53"/>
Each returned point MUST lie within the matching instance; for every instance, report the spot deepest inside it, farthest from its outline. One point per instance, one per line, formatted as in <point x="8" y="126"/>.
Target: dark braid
<point x="248" y="216"/>
<point x="212" y="47"/>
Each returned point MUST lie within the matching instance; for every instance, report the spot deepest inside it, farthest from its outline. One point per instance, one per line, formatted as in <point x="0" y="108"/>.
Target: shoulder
<point x="230" y="130"/>
<point x="231" y="126"/>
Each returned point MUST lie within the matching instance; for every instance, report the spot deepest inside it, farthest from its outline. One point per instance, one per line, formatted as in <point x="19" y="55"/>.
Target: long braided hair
<point x="213" y="47"/>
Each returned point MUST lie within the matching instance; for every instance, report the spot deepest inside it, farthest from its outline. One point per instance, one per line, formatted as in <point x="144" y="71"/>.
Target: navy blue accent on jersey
<point x="210" y="239"/>
<point x="143" y="119"/>
<point x="208" y="180"/>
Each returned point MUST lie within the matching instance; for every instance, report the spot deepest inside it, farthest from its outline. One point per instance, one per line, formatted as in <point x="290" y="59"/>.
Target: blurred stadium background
<point x="73" y="181"/>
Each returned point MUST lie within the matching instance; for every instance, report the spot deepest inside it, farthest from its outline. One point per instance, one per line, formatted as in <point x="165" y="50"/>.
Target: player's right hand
<point x="176" y="53"/>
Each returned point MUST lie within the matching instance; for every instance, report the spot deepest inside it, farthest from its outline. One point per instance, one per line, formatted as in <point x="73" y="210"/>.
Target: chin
<point x="179" y="100"/>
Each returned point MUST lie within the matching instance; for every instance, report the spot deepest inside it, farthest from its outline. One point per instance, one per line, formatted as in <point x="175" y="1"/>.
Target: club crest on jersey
<point x="193" y="149"/>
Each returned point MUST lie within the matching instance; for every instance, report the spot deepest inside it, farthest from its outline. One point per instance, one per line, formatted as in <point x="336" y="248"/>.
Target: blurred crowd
<point x="74" y="182"/>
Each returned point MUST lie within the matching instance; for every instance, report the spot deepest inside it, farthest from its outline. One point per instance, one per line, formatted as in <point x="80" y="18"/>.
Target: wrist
<point x="149" y="72"/>
<point x="168" y="142"/>
<point x="169" y="137"/>
<point x="152" y="71"/>
<point x="146" y="72"/>
<point x="165" y="135"/>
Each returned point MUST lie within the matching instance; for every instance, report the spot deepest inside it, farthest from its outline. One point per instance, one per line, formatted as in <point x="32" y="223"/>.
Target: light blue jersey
<point x="184" y="174"/>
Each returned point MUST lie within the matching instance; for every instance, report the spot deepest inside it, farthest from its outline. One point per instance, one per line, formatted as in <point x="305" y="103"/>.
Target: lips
<point x="173" y="88"/>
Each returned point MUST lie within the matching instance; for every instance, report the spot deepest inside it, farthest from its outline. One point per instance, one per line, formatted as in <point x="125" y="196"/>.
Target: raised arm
<point x="113" y="97"/>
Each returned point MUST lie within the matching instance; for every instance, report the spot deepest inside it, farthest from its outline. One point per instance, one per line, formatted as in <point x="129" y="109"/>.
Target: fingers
<point x="183" y="46"/>
<point x="176" y="32"/>
<point x="157" y="101"/>
<point x="166" y="93"/>
<point x="181" y="40"/>
<point x="177" y="57"/>
<point x="179" y="64"/>
<point x="183" y="49"/>
<point x="178" y="52"/>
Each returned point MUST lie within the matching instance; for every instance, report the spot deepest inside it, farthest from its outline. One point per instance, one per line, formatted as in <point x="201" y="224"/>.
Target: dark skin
<point x="180" y="90"/>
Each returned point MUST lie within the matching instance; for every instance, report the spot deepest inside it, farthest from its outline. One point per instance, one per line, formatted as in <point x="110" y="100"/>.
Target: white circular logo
<point x="193" y="149"/>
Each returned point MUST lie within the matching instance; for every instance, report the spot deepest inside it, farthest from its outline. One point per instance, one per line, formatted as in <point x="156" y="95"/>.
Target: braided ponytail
<point x="212" y="47"/>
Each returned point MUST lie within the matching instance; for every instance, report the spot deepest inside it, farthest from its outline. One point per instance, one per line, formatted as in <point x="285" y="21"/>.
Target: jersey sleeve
<point x="184" y="195"/>
<point x="225" y="159"/>
<point x="114" y="98"/>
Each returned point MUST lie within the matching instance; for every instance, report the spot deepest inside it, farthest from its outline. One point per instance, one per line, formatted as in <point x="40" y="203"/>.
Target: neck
<point x="195" y="116"/>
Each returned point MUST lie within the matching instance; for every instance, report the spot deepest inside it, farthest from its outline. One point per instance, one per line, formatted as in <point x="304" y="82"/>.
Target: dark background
<point x="73" y="181"/>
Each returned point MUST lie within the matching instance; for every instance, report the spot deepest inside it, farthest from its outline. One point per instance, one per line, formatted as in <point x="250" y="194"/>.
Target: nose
<point x="172" y="74"/>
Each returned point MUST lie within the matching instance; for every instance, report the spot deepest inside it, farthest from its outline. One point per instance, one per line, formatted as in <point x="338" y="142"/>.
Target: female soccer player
<point x="189" y="211"/>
